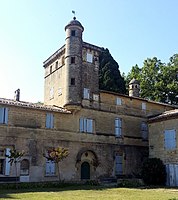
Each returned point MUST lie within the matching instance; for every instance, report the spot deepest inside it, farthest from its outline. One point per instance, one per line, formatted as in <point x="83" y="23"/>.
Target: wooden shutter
<point x="7" y="164"/>
<point x="50" y="167"/>
<point x="1" y="115"/>
<point x="89" y="125"/>
<point x="51" y="121"/>
<point x="170" y="139"/>
<point x="118" y="127"/>
<point x="6" y="115"/>
<point x="81" y="125"/>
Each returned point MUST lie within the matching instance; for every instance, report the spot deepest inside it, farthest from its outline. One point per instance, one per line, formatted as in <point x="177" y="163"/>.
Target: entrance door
<point x="85" y="170"/>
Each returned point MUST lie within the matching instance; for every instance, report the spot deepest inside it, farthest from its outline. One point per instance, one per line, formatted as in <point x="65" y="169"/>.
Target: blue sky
<point x="31" y="30"/>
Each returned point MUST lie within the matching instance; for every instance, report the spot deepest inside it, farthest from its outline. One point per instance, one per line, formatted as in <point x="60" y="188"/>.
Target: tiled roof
<point x="165" y="115"/>
<point x="33" y="105"/>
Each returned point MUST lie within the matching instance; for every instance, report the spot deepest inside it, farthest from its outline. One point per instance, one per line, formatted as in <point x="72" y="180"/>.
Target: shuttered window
<point x="118" y="127"/>
<point x="49" y="120"/>
<point x="170" y="139"/>
<point x="3" y="115"/>
<point x="118" y="101"/>
<point x="86" y="125"/>
<point x="118" y="165"/>
<point x="50" y="168"/>
<point x="86" y="93"/>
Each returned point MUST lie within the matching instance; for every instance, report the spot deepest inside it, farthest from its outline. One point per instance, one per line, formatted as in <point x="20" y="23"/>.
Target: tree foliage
<point x="158" y="81"/>
<point x="154" y="172"/>
<point x="110" y="78"/>
<point x="56" y="155"/>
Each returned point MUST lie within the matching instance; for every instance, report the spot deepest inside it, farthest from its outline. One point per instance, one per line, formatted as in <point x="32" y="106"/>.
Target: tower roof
<point x="134" y="81"/>
<point x="74" y="22"/>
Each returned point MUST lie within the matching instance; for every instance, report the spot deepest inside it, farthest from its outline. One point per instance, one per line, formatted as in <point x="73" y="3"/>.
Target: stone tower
<point x="71" y="73"/>
<point x="73" y="62"/>
<point x="134" y="88"/>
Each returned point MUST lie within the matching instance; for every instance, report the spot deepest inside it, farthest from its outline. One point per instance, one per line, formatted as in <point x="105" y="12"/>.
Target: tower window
<point x="89" y="57"/>
<point x="72" y="32"/>
<point x="72" y="81"/>
<point x="63" y="60"/>
<point x="72" y="60"/>
<point x="56" y="64"/>
<point x="51" y="69"/>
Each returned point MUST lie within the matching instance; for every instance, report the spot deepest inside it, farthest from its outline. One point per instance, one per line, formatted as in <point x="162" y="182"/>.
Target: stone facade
<point x="106" y="132"/>
<point x="163" y="142"/>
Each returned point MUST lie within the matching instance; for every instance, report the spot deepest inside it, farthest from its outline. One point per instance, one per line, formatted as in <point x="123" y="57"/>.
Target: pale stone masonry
<point x="106" y="132"/>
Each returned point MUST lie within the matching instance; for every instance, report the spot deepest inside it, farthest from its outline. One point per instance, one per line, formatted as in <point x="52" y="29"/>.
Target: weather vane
<point x="74" y="14"/>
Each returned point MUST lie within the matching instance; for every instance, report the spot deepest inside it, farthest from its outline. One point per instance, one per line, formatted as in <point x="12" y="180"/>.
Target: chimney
<point x="17" y="95"/>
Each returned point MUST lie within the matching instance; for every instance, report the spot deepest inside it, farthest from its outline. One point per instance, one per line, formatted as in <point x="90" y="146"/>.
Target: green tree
<point x="14" y="157"/>
<point x="110" y="78"/>
<point x="56" y="155"/>
<point x="158" y="81"/>
<point x="153" y="172"/>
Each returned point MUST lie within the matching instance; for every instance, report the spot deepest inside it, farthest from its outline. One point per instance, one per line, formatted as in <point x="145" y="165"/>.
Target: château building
<point x="106" y="133"/>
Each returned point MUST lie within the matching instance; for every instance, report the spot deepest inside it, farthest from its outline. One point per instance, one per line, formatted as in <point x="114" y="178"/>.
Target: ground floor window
<point x="50" y="168"/>
<point x="24" y="167"/>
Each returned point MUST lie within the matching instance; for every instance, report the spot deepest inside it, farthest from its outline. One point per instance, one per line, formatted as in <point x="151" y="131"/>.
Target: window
<point x="3" y="115"/>
<point x="72" y="60"/>
<point x="4" y="162"/>
<point x="72" y="32"/>
<point x="118" y="101"/>
<point x="144" y="130"/>
<point x="24" y="167"/>
<point x="143" y="106"/>
<point x="86" y="93"/>
<point x="72" y="81"/>
<point x="95" y="97"/>
<point x="60" y="91"/>
<point x="170" y="139"/>
<point x="86" y="125"/>
<point x="63" y="60"/>
<point x="118" y="164"/>
<point x="118" y="127"/>
<point x="89" y="57"/>
<point x="50" y="168"/>
<point x="51" y="69"/>
<point x="56" y="64"/>
<point x="51" y="93"/>
<point x="49" y="120"/>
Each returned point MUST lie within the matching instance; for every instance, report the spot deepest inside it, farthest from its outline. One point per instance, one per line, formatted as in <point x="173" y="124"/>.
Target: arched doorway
<point x="85" y="170"/>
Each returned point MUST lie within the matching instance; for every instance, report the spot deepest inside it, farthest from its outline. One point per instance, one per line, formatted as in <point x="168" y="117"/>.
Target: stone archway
<point x="86" y="163"/>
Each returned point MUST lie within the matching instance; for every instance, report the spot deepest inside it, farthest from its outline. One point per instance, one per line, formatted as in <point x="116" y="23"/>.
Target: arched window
<point x="24" y="167"/>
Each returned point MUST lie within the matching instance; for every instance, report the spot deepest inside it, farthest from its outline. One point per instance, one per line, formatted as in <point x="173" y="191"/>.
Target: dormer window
<point x="72" y="32"/>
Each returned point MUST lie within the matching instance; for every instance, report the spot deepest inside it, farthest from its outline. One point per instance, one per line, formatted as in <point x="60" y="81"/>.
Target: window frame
<point x="89" y="57"/>
<point x="4" y="112"/>
<point x="118" y="101"/>
<point x="170" y="142"/>
<point x="143" y="106"/>
<point x="118" y="127"/>
<point x="86" y="93"/>
<point x="86" y="125"/>
<point x="49" y="120"/>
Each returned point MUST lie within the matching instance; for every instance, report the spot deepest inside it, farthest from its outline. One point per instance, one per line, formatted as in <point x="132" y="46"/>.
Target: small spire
<point x="74" y="14"/>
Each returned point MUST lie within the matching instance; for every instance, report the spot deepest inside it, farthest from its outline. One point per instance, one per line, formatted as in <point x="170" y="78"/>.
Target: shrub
<point x="154" y="172"/>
